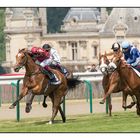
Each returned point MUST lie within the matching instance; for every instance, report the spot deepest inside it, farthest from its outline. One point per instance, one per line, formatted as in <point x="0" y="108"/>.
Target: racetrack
<point x="73" y="107"/>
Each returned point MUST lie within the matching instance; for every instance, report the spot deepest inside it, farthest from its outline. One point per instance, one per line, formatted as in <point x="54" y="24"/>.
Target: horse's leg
<point x="44" y="102"/>
<point x="132" y="103"/>
<point x="138" y="105"/>
<point x="23" y="93"/>
<point x="110" y="105"/>
<point x="29" y="101"/>
<point x="110" y="90"/>
<point x="124" y="98"/>
<point x="62" y="114"/>
<point x="56" y="105"/>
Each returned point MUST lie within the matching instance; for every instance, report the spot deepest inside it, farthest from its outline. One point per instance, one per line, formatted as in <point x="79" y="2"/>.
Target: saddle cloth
<point x="136" y="71"/>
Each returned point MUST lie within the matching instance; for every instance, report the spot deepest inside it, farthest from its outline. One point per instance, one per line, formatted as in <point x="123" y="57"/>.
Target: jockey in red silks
<point x="54" y="59"/>
<point x="41" y="57"/>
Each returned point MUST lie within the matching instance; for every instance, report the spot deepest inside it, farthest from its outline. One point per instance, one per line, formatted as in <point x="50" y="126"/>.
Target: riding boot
<point x="63" y="70"/>
<point x="53" y="78"/>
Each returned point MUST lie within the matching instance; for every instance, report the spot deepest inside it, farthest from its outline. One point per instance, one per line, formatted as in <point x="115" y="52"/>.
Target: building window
<point x="29" y="21"/>
<point x="94" y="51"/>
<point x="74" y="50"/>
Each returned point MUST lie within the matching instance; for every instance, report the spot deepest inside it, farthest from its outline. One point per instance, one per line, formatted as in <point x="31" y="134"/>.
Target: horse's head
<point x="21" y="59"/>
<point x="115" y="62"/>
<point x="103" y="63"/>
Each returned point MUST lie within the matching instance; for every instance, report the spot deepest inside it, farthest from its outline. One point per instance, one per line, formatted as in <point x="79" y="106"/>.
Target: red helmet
<point x="34" y="49"/>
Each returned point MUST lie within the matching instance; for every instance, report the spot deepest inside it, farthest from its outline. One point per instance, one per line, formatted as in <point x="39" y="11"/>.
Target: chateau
<point x="85" y="32"/>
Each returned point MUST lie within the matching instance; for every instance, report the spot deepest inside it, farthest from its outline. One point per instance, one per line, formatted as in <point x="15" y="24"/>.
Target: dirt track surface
<point x="73" y="107"/>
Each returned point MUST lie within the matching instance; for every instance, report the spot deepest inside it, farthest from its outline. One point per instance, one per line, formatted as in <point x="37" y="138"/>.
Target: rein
<point x="33" y="73"/>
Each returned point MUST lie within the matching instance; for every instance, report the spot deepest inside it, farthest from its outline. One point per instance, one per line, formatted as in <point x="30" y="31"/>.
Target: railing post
<point x="88" y="84"/>
<point x="107" y="105"/>
<point x="18" y="105"/>
<point x="0" y="96"/>
<point x="64" y="107"/>
<point x="17" y="94"/>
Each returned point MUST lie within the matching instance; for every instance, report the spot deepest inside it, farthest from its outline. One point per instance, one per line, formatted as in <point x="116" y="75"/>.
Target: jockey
<point x="116" y="49"/>
<point x="41" y="57"/>
<point x="131" y="54"/>
<point x="54" y="59"/>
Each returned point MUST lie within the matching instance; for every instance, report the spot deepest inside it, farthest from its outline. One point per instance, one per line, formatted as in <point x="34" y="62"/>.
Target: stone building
<point x="85" y="32"/>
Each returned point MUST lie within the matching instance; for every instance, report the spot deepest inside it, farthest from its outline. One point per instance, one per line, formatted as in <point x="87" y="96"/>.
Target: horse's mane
<point x="26" y="51"/>
<point x="23" y="50"/>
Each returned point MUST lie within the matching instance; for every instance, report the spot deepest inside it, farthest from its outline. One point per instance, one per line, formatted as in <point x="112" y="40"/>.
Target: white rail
<point x="91" y="76"/>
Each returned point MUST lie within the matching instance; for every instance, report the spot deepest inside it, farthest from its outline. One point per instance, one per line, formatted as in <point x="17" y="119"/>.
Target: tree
<point x="55" y="18"/>
<point x="2" y="36"/>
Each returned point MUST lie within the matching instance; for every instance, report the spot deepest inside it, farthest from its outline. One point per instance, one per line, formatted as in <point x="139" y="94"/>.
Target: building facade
<point x="85" y="32"/>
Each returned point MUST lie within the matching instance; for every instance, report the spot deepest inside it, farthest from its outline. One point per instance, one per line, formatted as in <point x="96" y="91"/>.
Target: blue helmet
<point x="125" y="45"/>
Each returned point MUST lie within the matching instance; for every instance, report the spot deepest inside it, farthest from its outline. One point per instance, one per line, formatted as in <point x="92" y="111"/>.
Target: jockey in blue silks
<point x="131" y="54"/>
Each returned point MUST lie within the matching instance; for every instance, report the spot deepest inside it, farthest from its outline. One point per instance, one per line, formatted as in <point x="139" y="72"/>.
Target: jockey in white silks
<point x="54" y="59"/>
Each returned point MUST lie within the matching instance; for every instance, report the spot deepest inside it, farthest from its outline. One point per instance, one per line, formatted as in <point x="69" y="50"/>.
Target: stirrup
<point x="56" y="83"/>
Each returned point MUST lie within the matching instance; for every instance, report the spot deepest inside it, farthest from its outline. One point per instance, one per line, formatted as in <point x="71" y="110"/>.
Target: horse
<point x="37" y="83"/>
<point x="30" y="97"/>
<point x="128" y="76"/>
<point x="112" y="84"/>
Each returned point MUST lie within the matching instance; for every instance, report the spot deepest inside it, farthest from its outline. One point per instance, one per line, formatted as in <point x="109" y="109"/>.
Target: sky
<point x="69" y="3"/>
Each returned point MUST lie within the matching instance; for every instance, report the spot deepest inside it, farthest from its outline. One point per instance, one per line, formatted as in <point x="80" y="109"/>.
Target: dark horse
<point x="128" y="76"/>
<point x="112" y="84"/>
<point x="37" y="83"/>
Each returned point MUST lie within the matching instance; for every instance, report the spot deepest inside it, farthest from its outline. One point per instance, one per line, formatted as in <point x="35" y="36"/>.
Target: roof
<point x="83" y="14"/>
<point x="127" y="16"/>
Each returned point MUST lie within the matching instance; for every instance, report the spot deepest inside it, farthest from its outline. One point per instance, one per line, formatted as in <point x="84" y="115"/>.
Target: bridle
<point x="20" y="65"/>
<point x="104" y="64"/>
<point x="113" y="66"/>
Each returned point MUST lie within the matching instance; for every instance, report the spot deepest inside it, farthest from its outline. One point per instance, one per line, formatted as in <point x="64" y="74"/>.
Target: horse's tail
<point x="73" y="82"/>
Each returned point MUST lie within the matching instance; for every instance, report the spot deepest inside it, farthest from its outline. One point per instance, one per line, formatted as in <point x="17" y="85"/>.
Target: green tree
<point x="2" y="36"/>
<point x="55" y="18"/>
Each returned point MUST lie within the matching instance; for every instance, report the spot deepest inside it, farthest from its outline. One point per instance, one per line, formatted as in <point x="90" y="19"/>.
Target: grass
<point x="119" y="122"/>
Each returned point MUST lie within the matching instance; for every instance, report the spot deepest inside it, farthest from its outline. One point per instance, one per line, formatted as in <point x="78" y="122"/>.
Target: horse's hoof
<point x="28" y="109"/>
<point x="44" y="105"/>
<point x="11" y="107"/>
<point x="124" y="107"/>
<point x="50" y="122"/>
<point x="102" y="102"/>
<point x="64" y="120"/>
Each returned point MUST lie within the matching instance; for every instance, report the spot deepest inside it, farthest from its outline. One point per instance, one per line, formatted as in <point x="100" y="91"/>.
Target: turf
<point x="119" y="122"/>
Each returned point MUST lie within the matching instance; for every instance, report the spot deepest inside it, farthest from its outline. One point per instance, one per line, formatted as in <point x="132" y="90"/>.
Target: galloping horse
<point x="128" y="76"/>
<point x="112" y="84"/>
<point x="37" y="83"/>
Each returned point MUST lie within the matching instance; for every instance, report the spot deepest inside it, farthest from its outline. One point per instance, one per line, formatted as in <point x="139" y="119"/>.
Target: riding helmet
<point x="46" y="47"/>
<point x="115" y="46"/>
<point x="125" y="44"/>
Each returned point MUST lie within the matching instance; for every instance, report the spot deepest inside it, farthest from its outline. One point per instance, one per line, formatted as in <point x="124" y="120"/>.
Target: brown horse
<point x="128" y="76"/>
<point x="30" y="97"/>
<point x="112" y="84"/>
<point x="37" y="83"/>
